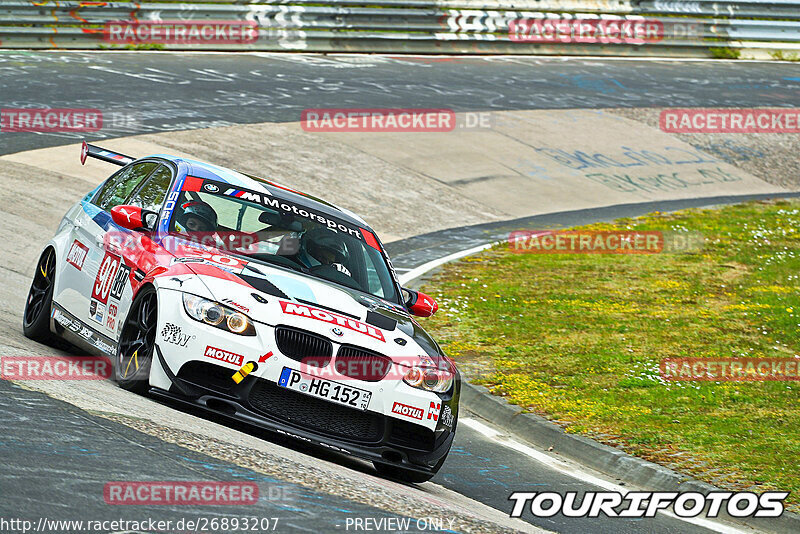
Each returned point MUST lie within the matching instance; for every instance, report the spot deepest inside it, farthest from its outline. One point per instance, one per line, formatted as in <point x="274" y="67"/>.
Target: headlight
<point x="429" y="379"/>
<point x="237" y="323"/>
<point x="217" y="315"/>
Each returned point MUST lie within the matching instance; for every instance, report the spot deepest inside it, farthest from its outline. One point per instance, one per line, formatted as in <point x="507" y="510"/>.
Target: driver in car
<point x="199" y="221"/>
<point x="196" y="217"/>
<point x="327" y="249"/>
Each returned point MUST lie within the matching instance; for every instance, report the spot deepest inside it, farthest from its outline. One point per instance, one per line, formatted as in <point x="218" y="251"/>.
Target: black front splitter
<point x="230" y="409"/>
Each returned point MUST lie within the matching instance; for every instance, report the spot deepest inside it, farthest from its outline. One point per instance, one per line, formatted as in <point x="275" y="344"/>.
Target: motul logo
<point x="408" y="411"/>
<point x="433" y="411"/>
<point x="322" y="315"/>
<point x="77" y="254"/>
<point x="224" y="356"/>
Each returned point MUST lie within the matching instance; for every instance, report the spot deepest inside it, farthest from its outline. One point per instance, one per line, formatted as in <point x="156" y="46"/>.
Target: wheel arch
<point x="144" y="285"/>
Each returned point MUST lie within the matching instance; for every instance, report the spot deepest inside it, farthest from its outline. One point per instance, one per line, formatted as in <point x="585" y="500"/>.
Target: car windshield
<point x="285" y="234"/>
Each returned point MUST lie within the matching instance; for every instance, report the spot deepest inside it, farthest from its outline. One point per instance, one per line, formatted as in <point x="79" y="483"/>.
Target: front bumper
<point x="261" y="403"/>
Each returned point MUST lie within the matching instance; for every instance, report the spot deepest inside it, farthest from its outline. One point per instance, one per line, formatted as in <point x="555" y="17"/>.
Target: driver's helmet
<point x="197" y="216"/>
<point x="325" y="246"/>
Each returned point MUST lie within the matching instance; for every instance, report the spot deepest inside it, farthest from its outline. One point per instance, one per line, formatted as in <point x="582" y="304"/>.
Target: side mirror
<point x="419" y="304"/>
<point x="133" y="217"/>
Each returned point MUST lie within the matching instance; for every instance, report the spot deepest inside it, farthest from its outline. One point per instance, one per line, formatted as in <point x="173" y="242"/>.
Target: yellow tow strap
<point x="243" y="372"/>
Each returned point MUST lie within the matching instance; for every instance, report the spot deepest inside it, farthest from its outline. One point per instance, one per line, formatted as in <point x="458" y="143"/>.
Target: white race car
<point x="253" y="301"/>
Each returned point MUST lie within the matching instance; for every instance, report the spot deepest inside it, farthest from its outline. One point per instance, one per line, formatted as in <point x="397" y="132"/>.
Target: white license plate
<point x="325" y="389"/>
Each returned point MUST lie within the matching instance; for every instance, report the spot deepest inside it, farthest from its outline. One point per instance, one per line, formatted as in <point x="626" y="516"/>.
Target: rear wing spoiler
<point x="102" y="154"/>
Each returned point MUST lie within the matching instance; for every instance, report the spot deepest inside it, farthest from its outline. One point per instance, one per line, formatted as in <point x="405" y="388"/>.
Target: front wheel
<point x="36" y="320"/>
<point x="137" y="341"/>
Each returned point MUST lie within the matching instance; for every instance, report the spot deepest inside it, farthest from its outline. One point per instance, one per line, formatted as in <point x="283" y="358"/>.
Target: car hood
<point x="276" y="296"/>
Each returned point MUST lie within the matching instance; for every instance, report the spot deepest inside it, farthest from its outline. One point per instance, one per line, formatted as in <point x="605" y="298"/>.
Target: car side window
<point x="151" y="195"/>
<point x="119" y="187"/>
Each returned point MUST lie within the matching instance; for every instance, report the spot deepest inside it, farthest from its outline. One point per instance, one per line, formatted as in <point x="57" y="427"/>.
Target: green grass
<point x="725" y="52"/>
<point x="578" y="338"/>
<point x="780" y="55"/>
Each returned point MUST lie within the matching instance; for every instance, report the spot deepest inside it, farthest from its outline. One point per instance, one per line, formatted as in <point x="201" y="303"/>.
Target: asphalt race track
<point x="160" y="92"/>
<point x="57" y="456"/>
<point x="56" y="463"/>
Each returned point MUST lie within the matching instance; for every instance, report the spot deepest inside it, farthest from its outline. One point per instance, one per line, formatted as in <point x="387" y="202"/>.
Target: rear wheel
<point x="36" y="320"/>
<point x="136" y="342"/>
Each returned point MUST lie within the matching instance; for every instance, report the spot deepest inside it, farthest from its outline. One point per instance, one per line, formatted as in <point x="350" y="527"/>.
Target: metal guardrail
<point x="683" y="28"/>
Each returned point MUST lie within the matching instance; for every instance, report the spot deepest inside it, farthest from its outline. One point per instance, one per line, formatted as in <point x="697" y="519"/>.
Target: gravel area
<point x="773" y="157"/>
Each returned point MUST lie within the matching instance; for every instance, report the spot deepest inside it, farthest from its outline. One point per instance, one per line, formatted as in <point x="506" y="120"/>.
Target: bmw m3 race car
<point x="253" y="301"/>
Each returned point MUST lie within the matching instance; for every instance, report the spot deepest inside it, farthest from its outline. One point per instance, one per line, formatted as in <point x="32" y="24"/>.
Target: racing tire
<point x="137" y="342"/>
<point x="406" y="475"/>
<point x="36" y="319"/>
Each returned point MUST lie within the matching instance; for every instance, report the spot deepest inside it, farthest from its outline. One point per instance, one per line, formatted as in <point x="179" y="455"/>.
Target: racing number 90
<point x="105" y="277"/>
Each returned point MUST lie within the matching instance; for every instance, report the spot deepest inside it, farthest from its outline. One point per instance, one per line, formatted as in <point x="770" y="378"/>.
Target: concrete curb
<point x="613" y="462"/>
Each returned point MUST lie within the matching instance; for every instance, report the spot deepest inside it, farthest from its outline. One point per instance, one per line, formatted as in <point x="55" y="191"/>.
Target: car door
<point x="136" y="250"/>
<point x="104" y="259"/>
<point x="74" y="284"/>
